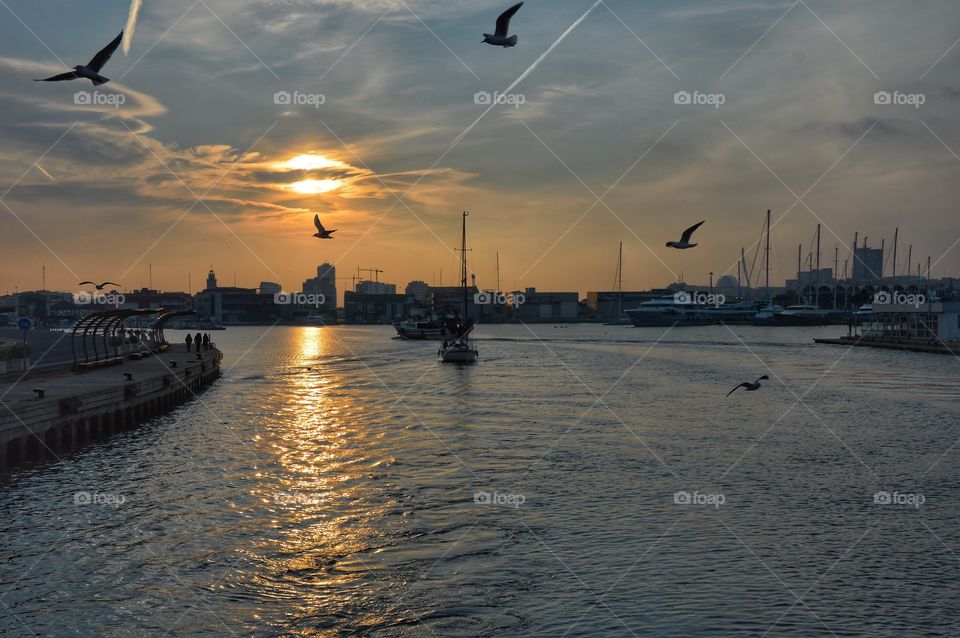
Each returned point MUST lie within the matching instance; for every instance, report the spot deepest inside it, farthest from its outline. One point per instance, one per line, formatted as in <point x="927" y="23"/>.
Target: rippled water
<point x="326" y="486"/>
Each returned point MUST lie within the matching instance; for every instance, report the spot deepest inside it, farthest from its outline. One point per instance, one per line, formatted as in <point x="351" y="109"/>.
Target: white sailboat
<point x="458" y="349"/>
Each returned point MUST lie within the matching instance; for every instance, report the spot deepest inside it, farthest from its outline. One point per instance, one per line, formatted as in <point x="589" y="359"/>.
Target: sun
<point x="311" y="162"/>
<point x="315" y="186"/>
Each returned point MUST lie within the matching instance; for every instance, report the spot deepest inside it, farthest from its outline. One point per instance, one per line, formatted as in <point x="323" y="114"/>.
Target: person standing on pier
<point x="198" y="340"/>
<point x="206" y="341"/>
<point x="189" y="341"/>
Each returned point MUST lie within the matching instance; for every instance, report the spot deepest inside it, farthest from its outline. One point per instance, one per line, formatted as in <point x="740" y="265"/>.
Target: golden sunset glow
<point x="315" y="186"/>
<point x="312" y="162"/>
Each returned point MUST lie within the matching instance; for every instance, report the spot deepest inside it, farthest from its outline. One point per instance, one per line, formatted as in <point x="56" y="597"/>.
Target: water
<point x="326" y="486"/>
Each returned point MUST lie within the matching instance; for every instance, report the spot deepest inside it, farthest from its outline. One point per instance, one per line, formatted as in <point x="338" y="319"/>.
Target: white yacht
<point x="667" y="311"/>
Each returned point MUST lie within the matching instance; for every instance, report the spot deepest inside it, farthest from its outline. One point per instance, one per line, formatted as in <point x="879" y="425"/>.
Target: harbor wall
<point x="44" y="415"/>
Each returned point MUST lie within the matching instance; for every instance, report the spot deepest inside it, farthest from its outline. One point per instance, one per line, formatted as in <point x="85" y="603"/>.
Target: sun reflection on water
<point x="326" y="515"/>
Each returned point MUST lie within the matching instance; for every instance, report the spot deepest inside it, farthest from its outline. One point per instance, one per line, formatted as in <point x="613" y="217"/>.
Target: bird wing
<point x="688" y="233"/>
<point x="69" y="75"/>
<point x="84" y="283"/>
<point x="742" y="385"/>
<point x="503" y="22"/>
<point x="108" y="283"/>
<point x="759" y="379"/>
<point x="101" y="58"/>
<point x="316" y="222"/>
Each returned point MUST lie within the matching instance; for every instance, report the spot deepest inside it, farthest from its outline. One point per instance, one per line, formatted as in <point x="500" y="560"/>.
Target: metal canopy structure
<point x="108" y="329"/>
<point x="162" y="320"/>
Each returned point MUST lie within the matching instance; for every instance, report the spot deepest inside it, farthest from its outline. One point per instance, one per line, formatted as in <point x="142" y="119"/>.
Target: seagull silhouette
<point x="500" y="39"/>
<point x="322" y="233"/>
<point x="98" y="286"/>
<point x="751" y="387"/>
<point x="685" y="238"/>
<point x="92" y="70"/>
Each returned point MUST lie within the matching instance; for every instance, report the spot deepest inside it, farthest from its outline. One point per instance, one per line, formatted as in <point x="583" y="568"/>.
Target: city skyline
<point x="803" y="126"/>
<point x="845" y="272"/>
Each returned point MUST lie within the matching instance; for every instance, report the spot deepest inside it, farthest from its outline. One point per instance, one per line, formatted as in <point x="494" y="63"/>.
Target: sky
<point x="230" y="123"/>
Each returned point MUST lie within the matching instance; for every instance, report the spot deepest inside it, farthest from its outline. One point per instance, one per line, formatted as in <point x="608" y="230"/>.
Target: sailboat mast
<point x="740" y="268"/>
<point x="836" y="273"/>
<point x="767" y="259"/>
<point x="799" y="270"/>
<point x="620" y="281"/>
<point x="463" y="263"/>
<point x="817" y="294"/>
<point x="853" y="269"/>
<point x="896" y="240"/>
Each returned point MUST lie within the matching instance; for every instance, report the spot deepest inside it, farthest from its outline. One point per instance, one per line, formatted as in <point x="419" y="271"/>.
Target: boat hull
<point x="459" y="354"/>
<point x="424" y="331"/>
<point x="668" y="317"/>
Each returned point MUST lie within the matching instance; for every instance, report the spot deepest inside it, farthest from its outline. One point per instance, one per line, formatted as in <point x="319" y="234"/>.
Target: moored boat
<point x="802" y="315"/>
<point x="667" y="311"/>
<point x="422" y="329"/>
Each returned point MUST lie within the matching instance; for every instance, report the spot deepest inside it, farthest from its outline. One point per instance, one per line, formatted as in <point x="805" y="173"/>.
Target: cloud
<point x="396" y="99"/>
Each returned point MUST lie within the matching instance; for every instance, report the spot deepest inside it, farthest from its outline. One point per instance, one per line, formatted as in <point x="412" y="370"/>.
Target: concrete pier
<point x="893" y="343"/>
<point x="44" y="412"/>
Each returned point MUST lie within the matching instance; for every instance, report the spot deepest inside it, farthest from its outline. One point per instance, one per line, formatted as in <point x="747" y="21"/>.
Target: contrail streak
<point x="131" y="25"/>
<point x="531" y="68"/>
<point x="44" y="171"/>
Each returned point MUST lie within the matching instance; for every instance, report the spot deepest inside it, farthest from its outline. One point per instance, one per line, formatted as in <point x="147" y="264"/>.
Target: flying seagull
<point x="99" y="286"/>
<point x="685" y="238"/>
<point x="500" y="39"/>
<point x="92" y="70"/>
<point x="751" y="387"/>
<point x="322" y="233"/>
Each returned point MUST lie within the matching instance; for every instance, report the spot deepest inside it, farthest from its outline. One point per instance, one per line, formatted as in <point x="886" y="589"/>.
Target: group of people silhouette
<point x="199" y="341"/>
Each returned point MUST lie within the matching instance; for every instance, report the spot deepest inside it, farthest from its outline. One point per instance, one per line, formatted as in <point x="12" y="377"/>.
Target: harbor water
<point x="579" y="480"/>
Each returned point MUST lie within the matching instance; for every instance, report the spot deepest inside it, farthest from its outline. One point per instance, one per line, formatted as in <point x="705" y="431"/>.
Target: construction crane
<point x="376" y="272"/>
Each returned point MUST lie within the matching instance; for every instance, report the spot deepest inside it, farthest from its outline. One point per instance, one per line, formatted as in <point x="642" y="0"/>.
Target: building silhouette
<point x="419" y="291"/>
<point x="211" y="280"/>
<point x="367" y="287"/>
<point x="325" y="283"/>
<point x="867" y="264"/>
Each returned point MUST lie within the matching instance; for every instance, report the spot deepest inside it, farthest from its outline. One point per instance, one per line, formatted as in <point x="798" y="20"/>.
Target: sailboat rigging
<point x="458" y="349"/>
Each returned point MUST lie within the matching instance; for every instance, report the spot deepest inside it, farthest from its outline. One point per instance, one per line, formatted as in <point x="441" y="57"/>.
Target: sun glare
<point x="311" y="162"/>
<point x="315" y="186"/>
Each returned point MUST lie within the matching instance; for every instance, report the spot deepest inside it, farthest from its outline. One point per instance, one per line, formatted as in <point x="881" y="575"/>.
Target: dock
<point x="895" y="343"/>
<point x="44" y="411"/>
